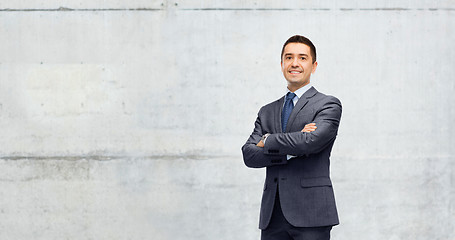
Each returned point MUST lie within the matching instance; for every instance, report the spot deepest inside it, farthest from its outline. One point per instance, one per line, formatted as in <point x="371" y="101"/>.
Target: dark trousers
<point x="280" y="229"/>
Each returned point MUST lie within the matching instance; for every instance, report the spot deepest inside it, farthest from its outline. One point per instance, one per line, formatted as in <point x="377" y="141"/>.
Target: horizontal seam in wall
<point x="109" y="158"/>
<point x="64" y="9"/>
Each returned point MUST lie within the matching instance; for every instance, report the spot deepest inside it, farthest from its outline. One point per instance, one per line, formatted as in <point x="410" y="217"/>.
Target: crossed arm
<point x="310" y="127"/>
<point x="313" y="138"/>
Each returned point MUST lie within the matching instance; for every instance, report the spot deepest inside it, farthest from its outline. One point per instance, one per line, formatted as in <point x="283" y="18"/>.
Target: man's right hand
<point x="310" y="127"/>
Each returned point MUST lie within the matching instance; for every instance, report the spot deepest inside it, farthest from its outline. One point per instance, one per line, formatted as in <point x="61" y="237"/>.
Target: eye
<point x="302" y="58"/>
<point x="288" y="57"/>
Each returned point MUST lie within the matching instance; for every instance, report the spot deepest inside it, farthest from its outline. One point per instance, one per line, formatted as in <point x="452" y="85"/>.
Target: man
<point x="293" y="138"/>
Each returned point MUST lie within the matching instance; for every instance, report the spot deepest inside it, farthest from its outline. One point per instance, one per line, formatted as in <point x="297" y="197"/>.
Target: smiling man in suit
<point x="293" y="137"/>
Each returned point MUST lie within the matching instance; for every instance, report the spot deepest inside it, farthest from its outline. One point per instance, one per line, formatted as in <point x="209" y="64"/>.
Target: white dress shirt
<point x="298" y="94"/>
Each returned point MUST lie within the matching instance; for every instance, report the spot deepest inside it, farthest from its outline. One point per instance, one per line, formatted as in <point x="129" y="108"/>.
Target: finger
<point x="309" y="127"/>
<point x="308" y="130"/>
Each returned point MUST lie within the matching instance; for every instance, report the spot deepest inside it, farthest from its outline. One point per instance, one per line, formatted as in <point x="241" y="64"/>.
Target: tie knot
<point x="290" y="96"/>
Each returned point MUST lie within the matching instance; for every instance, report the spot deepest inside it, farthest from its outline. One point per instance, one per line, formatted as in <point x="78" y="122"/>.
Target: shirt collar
<point x="299" y="92"/>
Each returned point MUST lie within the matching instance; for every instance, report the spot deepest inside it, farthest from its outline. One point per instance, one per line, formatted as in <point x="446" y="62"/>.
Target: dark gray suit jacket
<point x="305" y="188"/>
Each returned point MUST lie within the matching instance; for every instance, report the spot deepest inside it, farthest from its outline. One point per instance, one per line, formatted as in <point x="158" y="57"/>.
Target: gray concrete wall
<point x="124" y="119"/>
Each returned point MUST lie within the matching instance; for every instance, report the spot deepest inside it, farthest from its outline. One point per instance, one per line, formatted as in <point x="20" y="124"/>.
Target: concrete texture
<point x="124" y="120"/>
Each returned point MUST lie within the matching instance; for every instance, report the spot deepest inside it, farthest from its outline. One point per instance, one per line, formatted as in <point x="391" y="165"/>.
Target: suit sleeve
<point x="327" y="120"/>
<point x="254" y="156"/>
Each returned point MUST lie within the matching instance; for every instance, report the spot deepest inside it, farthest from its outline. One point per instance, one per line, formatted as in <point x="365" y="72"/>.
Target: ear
<point x="282" y="66"/>
<point x="315" y="65"/>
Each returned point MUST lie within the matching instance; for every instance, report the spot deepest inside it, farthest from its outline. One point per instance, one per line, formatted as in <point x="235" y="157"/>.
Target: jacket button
<point x="275" y="179"/>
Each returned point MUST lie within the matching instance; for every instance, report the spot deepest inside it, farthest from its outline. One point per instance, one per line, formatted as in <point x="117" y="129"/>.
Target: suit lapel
<point x="277" y="120"/>
<point x="300" y="104"/>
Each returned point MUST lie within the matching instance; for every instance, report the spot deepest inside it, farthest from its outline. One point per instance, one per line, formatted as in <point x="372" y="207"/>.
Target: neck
<point x="294" y="88"/>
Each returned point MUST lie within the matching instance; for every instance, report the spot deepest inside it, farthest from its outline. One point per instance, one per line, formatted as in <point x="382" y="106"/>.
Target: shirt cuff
<point x="290" y="156"/>
<point x="265" y="137"/>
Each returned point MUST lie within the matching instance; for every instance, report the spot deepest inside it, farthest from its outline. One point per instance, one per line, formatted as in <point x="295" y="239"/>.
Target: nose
<point x="295" y="62"/>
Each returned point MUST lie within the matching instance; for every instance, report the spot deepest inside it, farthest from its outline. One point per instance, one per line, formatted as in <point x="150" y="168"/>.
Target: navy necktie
<point x="287" y="109"/>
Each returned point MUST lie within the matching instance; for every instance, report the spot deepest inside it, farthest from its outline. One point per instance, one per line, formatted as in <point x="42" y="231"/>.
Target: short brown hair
<point x="301" y="39"/>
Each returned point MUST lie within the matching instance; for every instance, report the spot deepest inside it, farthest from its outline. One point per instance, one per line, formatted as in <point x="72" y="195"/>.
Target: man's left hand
<point x="260" y="144"/>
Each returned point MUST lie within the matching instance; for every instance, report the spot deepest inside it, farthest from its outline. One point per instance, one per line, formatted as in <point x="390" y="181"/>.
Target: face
<point x="297" y="65"/>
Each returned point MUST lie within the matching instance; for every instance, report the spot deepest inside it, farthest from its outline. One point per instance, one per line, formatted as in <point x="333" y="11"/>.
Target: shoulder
<point x="273" y="105"/>
<point x="323" y="102"/>
<point x="324" y="98"/>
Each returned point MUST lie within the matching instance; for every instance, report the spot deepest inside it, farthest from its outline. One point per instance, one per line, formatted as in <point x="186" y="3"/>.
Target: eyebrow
<point x="300" y="54"/>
